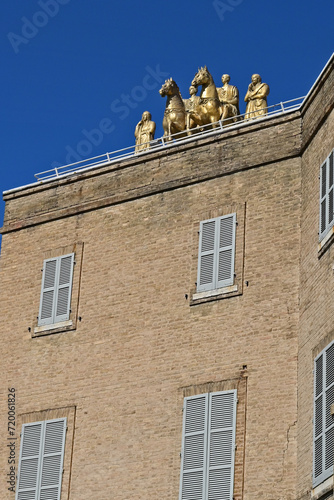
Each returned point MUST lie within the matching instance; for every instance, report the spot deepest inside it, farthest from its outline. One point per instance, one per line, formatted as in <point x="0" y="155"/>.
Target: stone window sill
<point x="218" y="293"/>
<point x="325" y="488"/>
<point x="62" y="326"/>
<point x="326" y="242"/>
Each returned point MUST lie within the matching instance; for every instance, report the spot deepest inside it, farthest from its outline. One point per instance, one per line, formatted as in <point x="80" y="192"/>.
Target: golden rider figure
<point x="229" y="99"/>
<point x="190" y="106"/>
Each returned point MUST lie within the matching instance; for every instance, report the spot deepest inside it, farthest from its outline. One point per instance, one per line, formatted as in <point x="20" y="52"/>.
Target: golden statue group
<point x="187" y="116"/>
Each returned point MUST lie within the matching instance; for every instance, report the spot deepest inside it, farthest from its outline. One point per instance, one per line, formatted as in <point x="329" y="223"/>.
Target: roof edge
<point x="316" y="83"/>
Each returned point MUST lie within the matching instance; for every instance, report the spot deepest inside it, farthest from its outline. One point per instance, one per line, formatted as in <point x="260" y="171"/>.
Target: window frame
<point x="326" y="196"/>
<point x="321" y="360"/>
<point x="77" y="248"/>
<point x="216" y="251"/>
<point x="55" y="318"/>
<point x="208" y="445"/>
<point x="41" y="456"/>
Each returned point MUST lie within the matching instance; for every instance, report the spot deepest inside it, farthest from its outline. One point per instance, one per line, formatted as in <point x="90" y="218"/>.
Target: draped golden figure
<point x="256" y="98"/>
<point x="144" y="132"/>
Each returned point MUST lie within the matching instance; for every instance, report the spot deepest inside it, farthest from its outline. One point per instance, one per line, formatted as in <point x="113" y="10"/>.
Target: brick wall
<point x="139" y="341"/>
<point x="139" y="344"/>
<point x="316" y="278"/>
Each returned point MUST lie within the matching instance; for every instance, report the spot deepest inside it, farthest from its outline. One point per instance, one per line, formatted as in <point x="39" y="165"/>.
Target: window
<point x="326" y="197"/>
<point x="57" y="300"/>
<point x="216" y="253"/>
<point x="323" y="451"/>
<point x="56" y="290"/>
<point x="208" y="446"/>
<point x="41" y="460"/>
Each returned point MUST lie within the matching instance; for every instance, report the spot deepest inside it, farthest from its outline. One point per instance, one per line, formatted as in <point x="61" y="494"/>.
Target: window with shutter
<point x="41" y="460"/>
<point x="208" y="446"/>
<point x="56" y="290"/>
<point x="216" y="253"/>
<point x="326" y="209"/>
<point x="323" y="421"/>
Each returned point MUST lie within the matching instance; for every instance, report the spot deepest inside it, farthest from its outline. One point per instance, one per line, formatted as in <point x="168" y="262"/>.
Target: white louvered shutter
<point x="64" y="287"/>
<point x="329" y="400"/>
<point x="323" y="452"/>
<point x="48" y="292"/>
<point x="208" y="446"/>
<point x="52" y="459"/>
<point x="207" y="256"/>
<point x="226" y="250"/>
<point x="56" y="290"/>
<point x="330" y="190"/>
<point x="326" y="212"/>
<point x="216" y="253"/>
<point x="221" y="443"/>
<point x="29" y="465"/>
<point x="41" y="460"/>
<point x="194" y="448"/>
<point x="318" y="419"/>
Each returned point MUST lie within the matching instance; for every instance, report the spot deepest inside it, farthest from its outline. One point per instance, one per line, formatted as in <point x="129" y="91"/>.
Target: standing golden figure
<point x="174" y="120"/>
<point x="229" y="99"/>
<point x="256" y="98"/>
<point x="209" y="108"/>
<point x="144" y="132"/>
<point x="191" y="105"/>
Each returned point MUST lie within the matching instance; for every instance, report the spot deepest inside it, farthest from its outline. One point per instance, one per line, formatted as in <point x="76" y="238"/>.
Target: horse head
<point x="170" y="88"/>
<point x="202" y="77"/>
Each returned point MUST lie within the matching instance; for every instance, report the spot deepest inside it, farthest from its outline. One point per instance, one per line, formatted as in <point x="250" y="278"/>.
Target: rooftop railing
<point x="162" y="143"/>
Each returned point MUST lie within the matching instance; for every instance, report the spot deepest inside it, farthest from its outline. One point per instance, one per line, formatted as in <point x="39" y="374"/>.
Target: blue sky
<point x="72" y="68"/>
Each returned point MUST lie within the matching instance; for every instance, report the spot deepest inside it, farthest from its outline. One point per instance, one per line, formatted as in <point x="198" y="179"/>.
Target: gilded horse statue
<point x="174" y="120"/>
<point x="209" y="109"/>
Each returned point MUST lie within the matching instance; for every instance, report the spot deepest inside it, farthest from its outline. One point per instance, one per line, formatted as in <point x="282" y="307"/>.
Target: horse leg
<point x="227" y="116"/>
<point x="225" y="113"/>
<point x="192" y="127"/>
<point x="196" y="119"/>
<point x="169" y="138"/>
<point x="165" y="127"/>
<point x="214" y="118"/>
<point x="180" y="125"/>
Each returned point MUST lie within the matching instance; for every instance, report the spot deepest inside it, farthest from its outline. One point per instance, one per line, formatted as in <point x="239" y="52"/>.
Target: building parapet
<point x="161" y="143"/>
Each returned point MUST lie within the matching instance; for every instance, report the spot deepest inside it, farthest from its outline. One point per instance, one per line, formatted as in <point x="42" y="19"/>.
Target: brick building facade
<point x="161" y="317"/>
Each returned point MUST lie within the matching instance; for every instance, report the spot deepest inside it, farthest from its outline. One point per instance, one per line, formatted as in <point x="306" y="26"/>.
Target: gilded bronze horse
<point x="174" y="120"/>
<point x="209" y="109"/>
